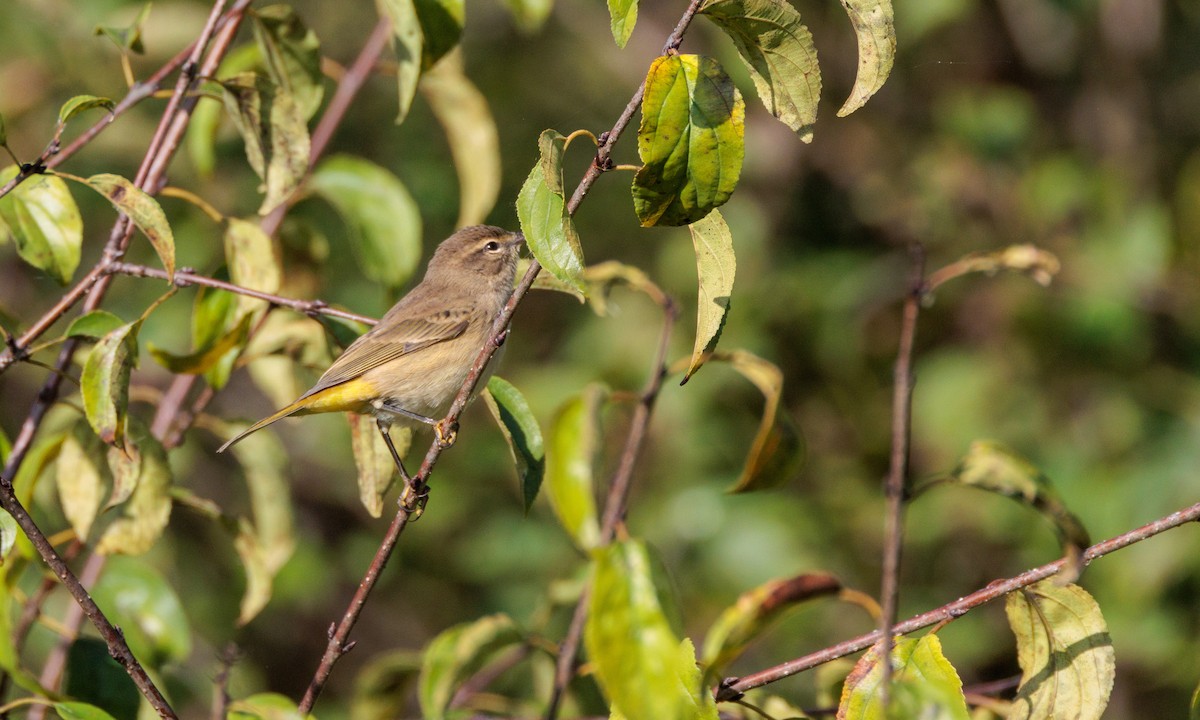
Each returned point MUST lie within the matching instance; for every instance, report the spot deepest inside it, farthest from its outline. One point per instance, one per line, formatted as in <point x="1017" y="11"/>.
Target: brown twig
<point x="735" y="687"/>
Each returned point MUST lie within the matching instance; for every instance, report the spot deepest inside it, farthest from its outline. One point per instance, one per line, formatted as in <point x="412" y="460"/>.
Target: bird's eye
<point x="492" y="246"/>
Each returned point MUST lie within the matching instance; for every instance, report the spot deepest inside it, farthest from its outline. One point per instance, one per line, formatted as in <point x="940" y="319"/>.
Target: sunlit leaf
<point x="274" y="131"/>
<point x="204" y="359"/>
<point x="549" y="231"/>
<point x="144" y="516"/>
<point x="292" y="54"/>
<point x="779" y="52"/>
<point x="81" y="478"/>
<point x="80" y="711"/>
<point x="873" y="25"/>
<point x="141" y="601"/>
<point x="214" y="313"/>
<point x="1064" y="650"/>
<point x="127" y="38"/>
<point x="925" y="684"/>
<point x="644" y="669"/>
<point x="530" y="15"/>
<point x="376" y="468"/>
<point x="441" y="26"/>
<point x="265" y="706"/>
<point x="384" y="685"/>
<point x="383" y="220"/>
<point x="252" y="261"/>
<point x="143" y="210"/>
<point x="408" y="43"/>
<point x="690" y="140"/>
<point x="457" y="654"/>
<point x="105" y="382"/>
<point x="40" y="217"/>
<point x="622" y="15"/>
<point x="754" y="612"/>
<point x="570" y="454"/>
<point x="521" y="430"/>
<point x="95" y="324"/>
<point x="268" y="542"/>
<point x="471" y="131"/>
<point x="715" y="269"/>
<point x="82" y="103"/>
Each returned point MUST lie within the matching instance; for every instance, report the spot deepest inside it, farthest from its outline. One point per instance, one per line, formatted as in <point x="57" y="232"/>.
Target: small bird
<point x="409" y="367"/>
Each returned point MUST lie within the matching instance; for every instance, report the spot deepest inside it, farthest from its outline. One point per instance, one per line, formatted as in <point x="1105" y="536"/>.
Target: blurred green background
<point x="1072" y="124"/>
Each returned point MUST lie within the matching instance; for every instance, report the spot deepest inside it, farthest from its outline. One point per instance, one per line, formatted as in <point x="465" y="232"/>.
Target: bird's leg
<point x="397" y="410"/>
<point x="415" y="494"/>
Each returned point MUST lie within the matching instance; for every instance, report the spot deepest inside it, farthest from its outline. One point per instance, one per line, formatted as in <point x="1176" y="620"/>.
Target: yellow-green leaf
<point x="141" y="601"/>
<point x="376" y="468"/>
<point x="125" y="467"/>
<point x="570" y="454"/>
<point x="715" y="268"/>
<point x="458" y="653"/>
<point x="471" y="132"/>
<point x="95" y="324"/>
<point x="876" y="32"/>
<point x="203" y="359"/>
<point x="206" y="117"/>
<point x="690" y="140"/>
<point x="1064" y="650"/>
<point x="128" y="38"/>
<point x="266" y="543"/>
<point x="292" y="54"/>
<point x="143" y="210"/>
<point x="80" y="711"/>
<point x="622" y="16"/>
<point x="441" y="27"/>
<point x="40" y="217"/>
<point x="105" y="382"/>
<point x="383" y="220"/>
<point x="530" y="15"/>
<point x="549" y="231"/>
<point x="925" y="684"/>
<point x="779" y="52"/>
<point x="81" y="478"/>
<point x="145" y="515"/>
<point x="252" y="261"/>
<point x="603" y="277"/>
<point x="408" y="43"/>
<point x="384" y="685"/>
<point x="82" y="103"/>
<point x="265" y="706"/>
<point x="522" y="432"/>
<point x="274" y="131"/>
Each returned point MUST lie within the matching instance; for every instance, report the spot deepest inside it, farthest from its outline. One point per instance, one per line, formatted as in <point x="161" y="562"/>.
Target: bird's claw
<point x="446" y="432"/>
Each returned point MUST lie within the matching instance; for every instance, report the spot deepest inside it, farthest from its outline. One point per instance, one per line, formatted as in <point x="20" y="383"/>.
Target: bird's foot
<point x="446" y="433"/>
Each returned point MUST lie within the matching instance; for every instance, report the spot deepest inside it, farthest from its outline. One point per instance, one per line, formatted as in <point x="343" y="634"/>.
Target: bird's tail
<point x="289" y="410"/>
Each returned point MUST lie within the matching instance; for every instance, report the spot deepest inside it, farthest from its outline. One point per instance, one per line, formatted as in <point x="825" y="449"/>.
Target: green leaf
<point x="1064" y="650"/>
<point x="458" y="653"/>
<point x="214" y="313"/>
<point x="139" y="599"/>
<point x="622" y="16"/>
<point x="541" y="209"/>
<point x="292" y="55"/>
<point x="105" y="382"/>
<point x="570" y="454"/>
<point x="522" y="432"/>
<point x="252" y="261"/>
<point x="408" y="43"/>
<point x="376" y="468"/>
<point x="715" y="269"/>
<point x="80" y="711"/>
<point x="383" y="220"/>
<point x="95" y="324"/>
<point x="530" y="15"/>
<point x="274" y="131"/>
<point x="779" y="52"/>
<point x="143" y="210"/>
<point x="144" y="517"/>
<point x="97" y="681"/>
<point x="129" y="38"/>
<point x="125" y="468"/>
<point x="441" y="26"/>
<point x="876" y="32"/>
<point x="754" y="612"/>
<point x="81" y="478"/>
<point x="690" y="140"/>
<point x="206" y="117"/>
<point x="471" y="131"/>
<point x="42" y="220"/>
<point x="81" y="103"/>
<point x="204" y="359"/>
<point x="644" y="669"/>
<point x="267" y="543"/>
<point x="384" y="685"/>
<point x="265" y="706"/>
<point x="925" y="684"/>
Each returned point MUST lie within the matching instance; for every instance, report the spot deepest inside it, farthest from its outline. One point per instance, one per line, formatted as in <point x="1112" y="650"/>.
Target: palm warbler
<point x="409" y="367"/>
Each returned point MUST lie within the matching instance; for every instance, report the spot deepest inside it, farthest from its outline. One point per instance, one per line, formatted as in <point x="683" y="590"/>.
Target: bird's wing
<point x="386" y="342"/>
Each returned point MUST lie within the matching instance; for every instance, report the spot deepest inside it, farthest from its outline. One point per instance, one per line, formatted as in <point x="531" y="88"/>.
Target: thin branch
<point x="735" y="687"/>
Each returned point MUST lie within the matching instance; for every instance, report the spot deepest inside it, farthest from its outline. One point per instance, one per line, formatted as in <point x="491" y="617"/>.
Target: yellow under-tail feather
<point x="350" y="396"/>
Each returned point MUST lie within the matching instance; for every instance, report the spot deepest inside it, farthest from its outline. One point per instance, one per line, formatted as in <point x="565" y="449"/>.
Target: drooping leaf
<point x="541" y="209"/>
<point x="144" y="211"/>
<point x="95" y="324"/>
<point x="408" y="43"/>
<point x="603" y="277"/>
<point x="141" y="601"/>
<point x="265" y="706"/>
<point x="384" y="685"/>
<point x="471" y="131"/>
<point x="81" y="478"/>
<point x="275" y="133"/>
<point x="82" y="103"/>
<point x="530" y="15"/>
<point x="204" y="359"/>
<point x="874" y="26"/>
<point x="690" y="140"/>
<point x="1064" y="650"/>
<point x="214" y="316"/>
<point x="643" y="668"/>
<point x="383" y="220"/>
<point x="127" y="38"/>
<point x="105" y="382"/>
<point x="80" y="711"/>
<point x="715" y="269"/>
<point x="376" y="468"/>
<point x="202" y="131"/>
<point x="754" y="612"/>
<point x="570" y="454"/>
<point x="441" y="26"/>
<point x="292" y="55"/>
<point x="144" y="516"/>
<point x="778" y="50"/>
<point x="925" y="684"/>
<point x="622" y="15"/>
<point x="266" y="543"/>
<point x="522" y="432"/>
<point x="40" y="217"/>
<point x="458" y="653"/>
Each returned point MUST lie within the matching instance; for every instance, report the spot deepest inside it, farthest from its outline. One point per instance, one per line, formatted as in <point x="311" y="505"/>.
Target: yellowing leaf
<point x="408" y="43"/>
<point x="40" y="217"/>
<point x="105" y="382"/>
<point x="203" y="359"/>
<point x="874" y="26"/>
<point x="715" y="268"/>
<point x="275" y="133"/>
<point x="457" y="654"/>
<point x="778" y="50"/>
<point x="265" y="544"/>
<point x="522" y="432"/>
<point x="471" y="131"/>
<point x="622" y="17"/>
<point x="570" y="453"/>
<point x="292" y="55"/>
<point x="690" y="140"/>
<point x="549" y="231"/>
<point x="145" y="515"/>
<point x="1065" y="652"/>
<point x="925" y="684"/>
<point x="250" y="256"/>
<point x="376" y="468"/>
<point x="80" y="475"/>
<point x="143" y="210"/>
